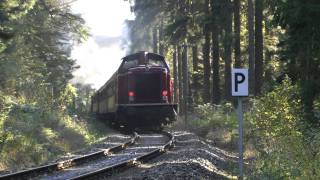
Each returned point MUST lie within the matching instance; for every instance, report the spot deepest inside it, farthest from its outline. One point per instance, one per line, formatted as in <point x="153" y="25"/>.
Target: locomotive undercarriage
<point x="146" y="115"/>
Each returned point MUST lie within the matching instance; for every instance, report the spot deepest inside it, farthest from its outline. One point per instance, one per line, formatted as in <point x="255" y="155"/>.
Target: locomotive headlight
<point x="165" y="95"/>
<point x="131" y="96"/>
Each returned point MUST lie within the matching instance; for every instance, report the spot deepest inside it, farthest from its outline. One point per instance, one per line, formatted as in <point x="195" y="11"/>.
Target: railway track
<point x="138" y="149"/>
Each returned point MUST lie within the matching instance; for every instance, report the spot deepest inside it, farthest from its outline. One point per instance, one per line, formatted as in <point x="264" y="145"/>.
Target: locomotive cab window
<point x="156" y="62"/>
<point x="127" y="64"/>
<point x="130" y="64"/>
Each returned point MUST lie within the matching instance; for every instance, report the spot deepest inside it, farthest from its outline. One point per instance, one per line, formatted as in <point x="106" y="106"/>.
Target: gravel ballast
<point x="144" y="144"/>
<point x="191" y="158"/>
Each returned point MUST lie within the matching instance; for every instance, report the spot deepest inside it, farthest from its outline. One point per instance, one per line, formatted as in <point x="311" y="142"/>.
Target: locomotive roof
<point x="138" y="54"/>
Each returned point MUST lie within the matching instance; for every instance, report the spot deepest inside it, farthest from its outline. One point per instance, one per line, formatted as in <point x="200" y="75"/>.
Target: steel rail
<point x="70" y="162"/>
<point x="110" y="170"/>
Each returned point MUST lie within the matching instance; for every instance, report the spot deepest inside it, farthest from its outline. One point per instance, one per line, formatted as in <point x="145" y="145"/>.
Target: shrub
<point x="215" y="116"/>
<point x="38" y="130"/>
<point x="216" y="122"/>
<point x="287" y="150"/>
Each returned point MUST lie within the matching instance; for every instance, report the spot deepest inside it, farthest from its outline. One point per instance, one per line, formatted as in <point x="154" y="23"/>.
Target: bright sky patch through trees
<point x="100" y="56"/>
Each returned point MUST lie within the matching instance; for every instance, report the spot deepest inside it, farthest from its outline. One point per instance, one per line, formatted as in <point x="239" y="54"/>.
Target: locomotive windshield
<point x="156" y="62"/>
<point x="130" y="64"/>
<point x="142" y="58"/>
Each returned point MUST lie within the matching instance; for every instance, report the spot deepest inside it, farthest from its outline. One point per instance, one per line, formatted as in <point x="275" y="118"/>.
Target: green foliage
<point x="36" y="38"/>
<point x="215" y="116"/>
<point x="291" y="157"/>
<point x="300" y="49"/>
<point x="286" y="149"/>
<point x="14" y="9"/>
<point x="10" y="12"/>
<point x="38" y="52"/>
<point x="67" y="96"/>
<point x="83" y="99"/>
<point x="278" y="112"/>
<point x="218" y="123"/>
<point x="179" y="20"/>
<point x="32" y="135"/>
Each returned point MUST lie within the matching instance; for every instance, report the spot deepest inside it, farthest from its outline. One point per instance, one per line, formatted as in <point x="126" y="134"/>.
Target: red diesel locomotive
<point x="138" y="94"/>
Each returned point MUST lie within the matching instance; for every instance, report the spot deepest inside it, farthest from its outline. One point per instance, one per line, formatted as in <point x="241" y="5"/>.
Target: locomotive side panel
<point x="122" y="88"/>
<point x="95" y="103"/>
<point x="111" y="96"/>
<point x="111" y="103"/>
<point x="102" y="102"/>
<point x="94" y="107"/>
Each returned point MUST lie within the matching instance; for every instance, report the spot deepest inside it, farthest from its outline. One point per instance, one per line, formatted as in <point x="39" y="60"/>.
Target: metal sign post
<point x="240" y="121"/>
<point x="239" y="81"/>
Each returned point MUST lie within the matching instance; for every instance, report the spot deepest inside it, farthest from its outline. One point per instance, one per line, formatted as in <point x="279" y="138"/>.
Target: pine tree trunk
<point x="237" y="50"/>
<point x="258" y="46"/>
<point x="175" y="75"/>
<point x="268" y="57"/>
<point x="215" y="56"/>
<point x="180" y="80"/>
<point x="185" y="77"/>
<point x="206" y="60"/>
<point x="195" y="63"/>
<point x="228" y="49"/>
<point x="161" y="45"/>
<point x="155" y="40"/>
<point x="251" y="45"/>
<point x="195" y="60"/>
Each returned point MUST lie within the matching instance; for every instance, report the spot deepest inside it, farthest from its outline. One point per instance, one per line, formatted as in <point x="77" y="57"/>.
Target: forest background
<point x="279" y="41"/>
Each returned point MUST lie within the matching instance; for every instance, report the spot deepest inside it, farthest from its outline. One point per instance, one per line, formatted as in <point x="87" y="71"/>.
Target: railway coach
<point x="139" y="93"/>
